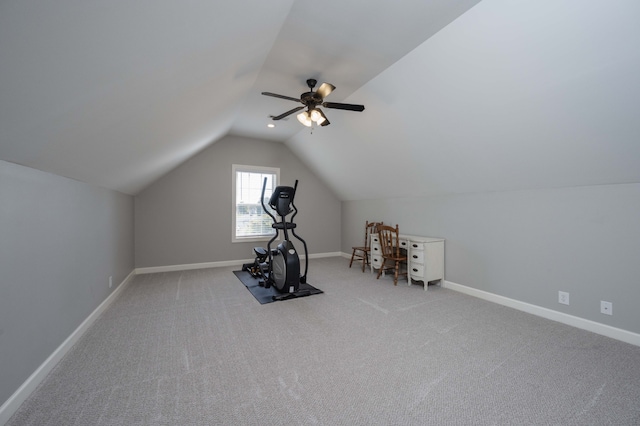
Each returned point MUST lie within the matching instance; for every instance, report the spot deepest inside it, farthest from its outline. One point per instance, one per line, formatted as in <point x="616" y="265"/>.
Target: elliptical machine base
<point x="286" y="270"/>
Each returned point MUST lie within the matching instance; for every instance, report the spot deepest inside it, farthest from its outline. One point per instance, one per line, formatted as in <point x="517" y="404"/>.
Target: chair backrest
<point x="389" y="240"/>
<point x="370" y="228"/>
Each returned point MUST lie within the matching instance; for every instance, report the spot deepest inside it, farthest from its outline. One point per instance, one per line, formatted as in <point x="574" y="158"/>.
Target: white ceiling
<point x="502" y="95"/>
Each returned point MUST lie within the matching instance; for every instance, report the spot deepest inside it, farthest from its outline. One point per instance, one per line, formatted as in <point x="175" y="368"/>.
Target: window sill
<point x="250" y="239"/>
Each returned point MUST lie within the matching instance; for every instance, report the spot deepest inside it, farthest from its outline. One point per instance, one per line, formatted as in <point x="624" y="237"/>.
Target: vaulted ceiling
<point x="460" y="96"/>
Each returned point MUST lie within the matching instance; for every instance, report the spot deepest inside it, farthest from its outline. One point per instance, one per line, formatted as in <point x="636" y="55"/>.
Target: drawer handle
<point x="375" y="249"/>
<point x="415" y="246"/>
<point x="415" y="257"/>
<point x="415" y="270"/>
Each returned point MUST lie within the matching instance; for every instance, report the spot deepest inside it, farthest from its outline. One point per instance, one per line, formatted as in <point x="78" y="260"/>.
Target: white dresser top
<point x="420" y="239"/>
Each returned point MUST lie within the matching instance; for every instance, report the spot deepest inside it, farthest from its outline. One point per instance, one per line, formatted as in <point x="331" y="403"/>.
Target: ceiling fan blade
<point x="337" y="105"/>
<point x="326" y="120"/>
<point x="275" y="95"/>
<point x="325" y="89"/>
<point x="281" y="116"/>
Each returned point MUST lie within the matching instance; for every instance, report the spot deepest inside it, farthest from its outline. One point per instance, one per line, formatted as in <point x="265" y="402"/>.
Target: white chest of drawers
<point x="425" y="257"/>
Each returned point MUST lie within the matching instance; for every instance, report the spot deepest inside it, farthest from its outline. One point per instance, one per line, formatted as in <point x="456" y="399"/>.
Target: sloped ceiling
<point x="460" y="96"/>
<point x="510" y="96"/>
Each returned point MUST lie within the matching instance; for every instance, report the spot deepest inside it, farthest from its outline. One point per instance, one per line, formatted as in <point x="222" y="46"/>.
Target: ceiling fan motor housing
<point x="311" y="99"/>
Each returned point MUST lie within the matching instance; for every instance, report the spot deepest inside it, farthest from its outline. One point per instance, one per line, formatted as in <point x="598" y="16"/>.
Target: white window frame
<point x="249" y="169"/>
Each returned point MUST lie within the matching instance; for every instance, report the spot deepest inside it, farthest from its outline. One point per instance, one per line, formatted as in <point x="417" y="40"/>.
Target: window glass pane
<point x="251" y="221"/>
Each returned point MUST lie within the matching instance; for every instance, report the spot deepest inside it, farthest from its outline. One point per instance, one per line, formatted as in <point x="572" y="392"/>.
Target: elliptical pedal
<point x="294" y="295"/>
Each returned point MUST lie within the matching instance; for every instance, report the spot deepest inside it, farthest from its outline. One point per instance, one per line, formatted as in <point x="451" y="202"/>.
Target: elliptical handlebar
<point x="295" y="209"/>
<point x="303" y="278"/>
<point x="264" y="208"/>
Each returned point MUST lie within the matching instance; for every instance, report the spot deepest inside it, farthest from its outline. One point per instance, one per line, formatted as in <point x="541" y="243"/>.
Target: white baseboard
<point x="190" y="266"/>
<point x="584" y="324"/>
<point x="319" y="255"/>
<point x="12" y="404"/>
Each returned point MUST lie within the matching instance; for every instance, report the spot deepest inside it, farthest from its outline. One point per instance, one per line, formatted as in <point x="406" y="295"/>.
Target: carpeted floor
<point x="194" y="348"/>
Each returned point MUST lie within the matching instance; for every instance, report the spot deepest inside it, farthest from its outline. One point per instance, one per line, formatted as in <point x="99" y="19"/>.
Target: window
<point x="250" y="222"/>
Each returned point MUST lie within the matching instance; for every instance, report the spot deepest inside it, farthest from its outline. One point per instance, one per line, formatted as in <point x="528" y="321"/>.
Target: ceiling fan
<point x="312" y="100"/>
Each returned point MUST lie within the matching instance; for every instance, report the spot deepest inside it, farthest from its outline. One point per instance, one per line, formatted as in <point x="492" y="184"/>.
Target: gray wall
<point x="185" y="217"/>
<point x="60" y="240"/>
<point x="527" y="245"/>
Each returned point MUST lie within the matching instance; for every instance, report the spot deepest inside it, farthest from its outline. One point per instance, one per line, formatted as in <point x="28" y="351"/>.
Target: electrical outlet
<point x="606" y="308"/>
<point x="563" y="297"/>
<point x="110" y="282"/>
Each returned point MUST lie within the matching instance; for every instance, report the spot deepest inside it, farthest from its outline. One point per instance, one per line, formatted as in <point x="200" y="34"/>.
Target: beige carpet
<point x="196" y="348"/>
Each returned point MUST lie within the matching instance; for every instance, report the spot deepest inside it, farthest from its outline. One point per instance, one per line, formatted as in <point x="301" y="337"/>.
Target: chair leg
<point x="395" y="276"/>
<point x="352" y="255"/>
<point x="380" y="270"/>
<point x="365" y="260"/>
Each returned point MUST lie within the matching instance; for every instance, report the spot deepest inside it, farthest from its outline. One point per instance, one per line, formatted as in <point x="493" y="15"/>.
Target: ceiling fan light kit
<point x="304" y="118"/>
<point x="314" y="116"/>
<point x="311" y="101"/>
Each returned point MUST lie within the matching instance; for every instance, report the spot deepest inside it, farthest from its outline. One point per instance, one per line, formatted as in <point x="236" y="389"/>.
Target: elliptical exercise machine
<point x="280" y="267"/>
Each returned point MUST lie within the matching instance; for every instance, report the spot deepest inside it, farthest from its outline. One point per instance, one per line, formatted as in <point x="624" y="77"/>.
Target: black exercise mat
<point x="265" y="295"/>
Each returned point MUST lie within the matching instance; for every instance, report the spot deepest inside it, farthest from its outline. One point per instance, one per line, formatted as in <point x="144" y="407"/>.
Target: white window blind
<point x="250" y="221"/>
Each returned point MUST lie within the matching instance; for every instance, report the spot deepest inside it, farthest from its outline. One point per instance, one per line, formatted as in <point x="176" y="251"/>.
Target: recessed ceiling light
<point x="271" y="125"/>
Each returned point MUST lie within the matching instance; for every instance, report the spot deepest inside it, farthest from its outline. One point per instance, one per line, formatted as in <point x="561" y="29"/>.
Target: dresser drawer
<point x="375" y="249"/>
<point x="376" y="261"/>
<point x="416" y="256"/>
<point x="417" y="246"/>
<point x="416" y="271"/>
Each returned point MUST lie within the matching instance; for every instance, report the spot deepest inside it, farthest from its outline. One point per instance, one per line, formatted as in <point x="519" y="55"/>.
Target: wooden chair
<point x="392" y="255"/>
<point x="362" y="252"/>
